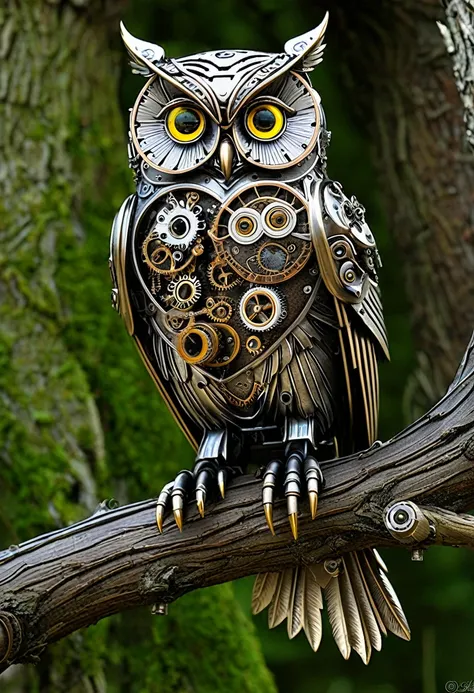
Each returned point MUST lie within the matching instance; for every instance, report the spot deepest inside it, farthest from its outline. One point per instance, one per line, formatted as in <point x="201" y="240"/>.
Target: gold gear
<point x="219" y="309"/>
<point x="198" y="344"/>
<point x="261" y="308"/>
<point x="221" y="276"/>
<point x="254" y="345"/>
<point x="185" y="291"/>
<point x="177" y="321"/>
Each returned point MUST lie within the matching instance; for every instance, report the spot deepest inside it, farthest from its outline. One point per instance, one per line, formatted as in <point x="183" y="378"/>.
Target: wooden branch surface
<point x="55" y="584"/>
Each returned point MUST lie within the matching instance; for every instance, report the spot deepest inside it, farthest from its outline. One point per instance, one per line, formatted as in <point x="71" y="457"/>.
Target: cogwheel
<point x="221" y="276"/>
<point x="254" y="345"/>
<point x="261" y="308"/>
<point x="177" y="321"/>
<point x="185" y="291"/>
<point x="219" y="309"/>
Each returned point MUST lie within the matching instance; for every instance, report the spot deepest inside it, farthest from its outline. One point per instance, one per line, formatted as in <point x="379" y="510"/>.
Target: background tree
<point x="81" y="420"/>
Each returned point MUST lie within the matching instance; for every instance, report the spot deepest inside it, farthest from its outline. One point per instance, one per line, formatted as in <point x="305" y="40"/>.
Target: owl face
<point x="226" y="112"/>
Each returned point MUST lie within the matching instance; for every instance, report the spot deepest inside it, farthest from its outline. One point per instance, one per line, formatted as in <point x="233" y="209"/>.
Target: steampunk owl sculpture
<point x="248" y="280"/>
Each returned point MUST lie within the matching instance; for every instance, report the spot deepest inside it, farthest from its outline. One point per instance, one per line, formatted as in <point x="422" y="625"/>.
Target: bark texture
<point x="67" y="370"/>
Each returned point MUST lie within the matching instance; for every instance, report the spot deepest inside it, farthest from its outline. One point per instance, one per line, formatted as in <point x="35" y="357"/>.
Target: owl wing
<point x="126" y="303"/>
<point x="348" y="260"/>
<point x="360" y="352"/>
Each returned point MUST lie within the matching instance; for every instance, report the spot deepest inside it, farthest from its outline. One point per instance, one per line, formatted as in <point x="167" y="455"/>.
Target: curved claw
<point x="161" y="504"/>
<point x="313" y="503"/>
<point x="268" y="509"/>
<point x="181" y="488"/>
<point x="293" y="489"/>
<point x="159" y="518"/>
<point x="200" y="498"/>
<point x="270" y="479"/>
<point x="221" y="481"/>
<point x="206" y="472"/>
<point x="178" y="518"/>
<point x="293" y="517"/>
<point x="314" y="480"/>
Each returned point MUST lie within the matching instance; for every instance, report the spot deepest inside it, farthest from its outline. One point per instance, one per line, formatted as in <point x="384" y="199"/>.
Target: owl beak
<point x="226" y="157"/>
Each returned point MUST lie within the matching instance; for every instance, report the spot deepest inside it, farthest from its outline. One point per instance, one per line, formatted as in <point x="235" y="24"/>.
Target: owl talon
<point x="292" y="486"/>
<point x="314" y="481"/>
<point x="181" y="488"/>
<point x="161" y="505"/>
<point x="200" y="499"/>
<point x="270" y="480"/>
<point x="221" y="481"/>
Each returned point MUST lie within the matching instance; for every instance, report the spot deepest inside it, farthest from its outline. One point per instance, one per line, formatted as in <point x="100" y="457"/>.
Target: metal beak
<point x="226" y="157"/>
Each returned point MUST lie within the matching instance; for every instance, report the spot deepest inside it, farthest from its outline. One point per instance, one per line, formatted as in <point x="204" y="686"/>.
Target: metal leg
<point x="300" y="459"/>
<point x="211" y="472"/>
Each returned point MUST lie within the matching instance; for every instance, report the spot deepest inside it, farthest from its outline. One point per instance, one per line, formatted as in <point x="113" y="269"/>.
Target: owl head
<point x="227" y="113"/>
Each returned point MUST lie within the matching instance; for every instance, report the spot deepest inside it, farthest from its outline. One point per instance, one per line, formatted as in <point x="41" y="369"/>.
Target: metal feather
<point x="385" y="598"/>
<point x="278" y="609"/>
<point x="337" y="619"/>
<point x="366" y="608"/>
<point x="296" y="610"/>
<point x="263" y="591"/>
<point x="380" y="560"/>
<point x="313" y="604"/>
<point x="354" y="622"/>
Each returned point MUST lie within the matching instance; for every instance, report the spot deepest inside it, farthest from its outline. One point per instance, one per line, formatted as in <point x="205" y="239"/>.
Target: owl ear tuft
<point x="143" y="56"/>
<point x="309" y="47"/>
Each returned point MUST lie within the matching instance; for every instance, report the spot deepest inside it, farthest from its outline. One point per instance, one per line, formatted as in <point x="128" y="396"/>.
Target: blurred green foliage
<point x="438" y="594"/>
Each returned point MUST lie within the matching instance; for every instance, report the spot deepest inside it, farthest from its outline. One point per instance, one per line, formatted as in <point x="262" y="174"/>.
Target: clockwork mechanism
<point x="221" y="276"/>
<point x="254" y="345"/>
<point x="261" y="308"/>
<point x="173" y="242"/>
<point x="219" y="309"/>
<point x="185" y="291"/>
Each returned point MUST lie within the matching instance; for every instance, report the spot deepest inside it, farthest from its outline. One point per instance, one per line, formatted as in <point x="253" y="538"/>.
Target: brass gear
<point x="185" y="291"/>
<point x="254" y="345"/>
<point x="219" y="309"/>
<point x="262" y="308"/>
<point x="221" y="276"/>
<point x="177" y="321"/>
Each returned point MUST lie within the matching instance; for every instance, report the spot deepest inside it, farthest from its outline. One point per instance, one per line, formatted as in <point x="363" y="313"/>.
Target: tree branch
<point x="116" y="559"/>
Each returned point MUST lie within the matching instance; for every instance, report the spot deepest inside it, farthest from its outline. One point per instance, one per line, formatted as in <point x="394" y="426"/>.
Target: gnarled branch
<point x="116" y="559"/>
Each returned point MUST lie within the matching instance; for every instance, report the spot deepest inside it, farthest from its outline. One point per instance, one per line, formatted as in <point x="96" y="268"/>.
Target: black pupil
<point x="187" y="122"/>
<point x="244" y="225"/>
<point x="179" y="227"/>
<point x="264" y="120"/>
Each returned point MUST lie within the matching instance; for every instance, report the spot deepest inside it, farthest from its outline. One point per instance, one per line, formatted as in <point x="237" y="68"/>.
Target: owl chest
<point x="227" y="281"/>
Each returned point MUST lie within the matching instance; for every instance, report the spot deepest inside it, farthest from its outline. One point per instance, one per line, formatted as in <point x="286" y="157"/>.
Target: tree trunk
<point x="79" y="417"/>
<point x="400" y="80"/>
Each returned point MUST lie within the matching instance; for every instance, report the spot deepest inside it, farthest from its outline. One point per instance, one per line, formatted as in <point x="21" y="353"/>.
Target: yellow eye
<point x="245" y="226"/>
<point x="185" y="124"/>
<point x="265" y="121"/>
<point x="278" y="219"/>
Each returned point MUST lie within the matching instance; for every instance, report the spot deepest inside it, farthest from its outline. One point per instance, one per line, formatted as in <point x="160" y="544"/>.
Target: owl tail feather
<point x="361" y="602"/>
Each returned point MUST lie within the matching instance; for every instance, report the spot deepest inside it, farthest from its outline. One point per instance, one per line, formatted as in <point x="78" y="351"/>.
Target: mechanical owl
<point x="248" y="280"/>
